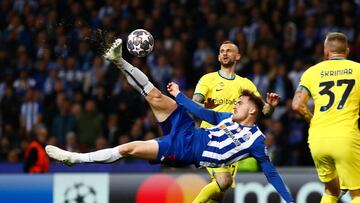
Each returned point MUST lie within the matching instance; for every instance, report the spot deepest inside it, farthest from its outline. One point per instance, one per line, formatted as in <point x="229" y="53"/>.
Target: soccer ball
<point x="140" y="43"/>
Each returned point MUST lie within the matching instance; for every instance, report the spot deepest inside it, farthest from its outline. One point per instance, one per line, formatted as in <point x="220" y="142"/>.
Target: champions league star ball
<point x="80" y="193"/>
<point x="140" y="43"/>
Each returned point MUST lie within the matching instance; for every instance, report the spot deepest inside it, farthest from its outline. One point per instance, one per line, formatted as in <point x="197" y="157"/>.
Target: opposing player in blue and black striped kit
<point x="233" y="137"/>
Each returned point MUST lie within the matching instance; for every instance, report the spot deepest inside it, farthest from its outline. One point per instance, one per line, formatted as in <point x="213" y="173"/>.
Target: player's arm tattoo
<point x="299" y="104"/>
<point x="198" y="99"/>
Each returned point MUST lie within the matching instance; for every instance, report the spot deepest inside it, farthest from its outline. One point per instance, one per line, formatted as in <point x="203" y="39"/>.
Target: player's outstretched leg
<point x="147" y="150"/>
<point x="161" y="105"/>
<point x="134" y="76"/>
<point x="70" y="158"/>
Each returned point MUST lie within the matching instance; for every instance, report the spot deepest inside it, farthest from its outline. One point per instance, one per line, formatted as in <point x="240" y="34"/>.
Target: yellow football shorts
<point x="231" y="169"/>
<point x="337" y="157"/>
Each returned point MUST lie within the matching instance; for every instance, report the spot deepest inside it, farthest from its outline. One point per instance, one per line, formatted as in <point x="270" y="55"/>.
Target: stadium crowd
<point x="54" y="80"/>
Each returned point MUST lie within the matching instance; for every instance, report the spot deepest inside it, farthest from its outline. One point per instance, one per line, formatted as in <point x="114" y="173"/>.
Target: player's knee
<point x="127" y="150"/>
<point x="332" y="190"/>
<point x="355" y="194"/>
<point x="154" y="94"/>
<point x="224" y="181"/>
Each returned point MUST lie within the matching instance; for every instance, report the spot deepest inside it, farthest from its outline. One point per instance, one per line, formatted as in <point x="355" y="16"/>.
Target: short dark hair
<point x="336" y="42"/>
<point x="230" y="42"/>
<point x="256" y="100"/>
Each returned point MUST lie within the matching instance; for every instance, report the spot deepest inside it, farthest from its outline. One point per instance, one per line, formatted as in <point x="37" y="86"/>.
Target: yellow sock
<point x="326" y="198"/>
<point x="356" y="200"/>
<point x="207" y="192"/>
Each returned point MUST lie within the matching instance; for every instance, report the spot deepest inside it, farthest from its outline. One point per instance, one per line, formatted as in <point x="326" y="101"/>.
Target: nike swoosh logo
<point x="218" y="90"/>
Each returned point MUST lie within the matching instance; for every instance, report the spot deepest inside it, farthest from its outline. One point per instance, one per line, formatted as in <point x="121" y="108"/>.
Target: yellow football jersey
<point x="335" y="88"/>
<point x="224" y="92"/>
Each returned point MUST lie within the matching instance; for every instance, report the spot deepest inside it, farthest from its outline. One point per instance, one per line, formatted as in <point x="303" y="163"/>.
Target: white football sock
<point x="135" y="77"/>
<point x="101" y="156"/>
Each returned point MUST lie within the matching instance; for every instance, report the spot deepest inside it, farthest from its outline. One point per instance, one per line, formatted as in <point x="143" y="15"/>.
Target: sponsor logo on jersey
<point x="219" y="101"/>
<point x="230" y="135"/>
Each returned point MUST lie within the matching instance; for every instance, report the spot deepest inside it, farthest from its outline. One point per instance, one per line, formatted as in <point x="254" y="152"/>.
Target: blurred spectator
<point x="150" y="135"/>
<point x="71" y="143"/>
<point x="31" y="111"/>
<point x="24" y="62"/>
<point x="36" y="159"/>
<point x="101" y="143"/>
<point x="64" y="122"/>
<point x="297" y="135"/>
<point x="89" y="125"/>
<point x="277" y="142"/>
<point x="199" y="57"/>
<point x="308" y="36"/>
<point x="101" y="100"/>
<point x="52" y="102"/>
<point x="295" y="74"/>
<point x="355" y="48"/>
<point x="348" y="28"/>
<point x="93" y="76"/>
<point x="112" y="130"/>
<point x="76" y="110"/>
<point x="71" y="75"/>
<point x="23" y="83"/>
<point x="137" y="131"/>
<point x="40" y="75"/>
<point x="9" y="133"/>
<point x="123" y="138"/>
<point x="13" y="156"/>
<point x="4" y="148"/>
<point x="61" y="49"/>
<point x="271" y="147"/>
<point x="6" y="79"/>
<point x="161" y="72"/>
<point x="128" y="105"/>
<point x="150" y="123"/>
<point x="241" y="42"/>
<point x="178" y="76"/>
<point x="260" y="80"/>
<point x="177" y="56"/>
<point x="85" y="56"/>
<point x="281" y="83"/>
<point x="329" y="25"/>
<point x="10" y="105"/>
<point x="169" y="39"/>
<point x="52" y="141"/>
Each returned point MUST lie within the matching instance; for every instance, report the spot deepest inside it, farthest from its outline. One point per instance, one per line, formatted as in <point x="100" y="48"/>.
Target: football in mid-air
<point x="140" y="43"/>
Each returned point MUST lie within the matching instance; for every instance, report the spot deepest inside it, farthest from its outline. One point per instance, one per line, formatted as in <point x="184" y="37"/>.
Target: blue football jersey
<point x="231" y="142"/>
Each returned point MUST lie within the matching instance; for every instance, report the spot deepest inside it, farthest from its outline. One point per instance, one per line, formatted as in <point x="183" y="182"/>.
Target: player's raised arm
<point x="272" y="100"/>
<point x="198" y="111"/>
<point x="198" y="98"/>
<point x="299" y="103"/>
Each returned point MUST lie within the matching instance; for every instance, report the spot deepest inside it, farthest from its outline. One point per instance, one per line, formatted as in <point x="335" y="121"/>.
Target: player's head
<point x="335" y="45"/>
<point x="41" y="134"/>
<point x="248" y="107"/>
<point x="228" y="54"/>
